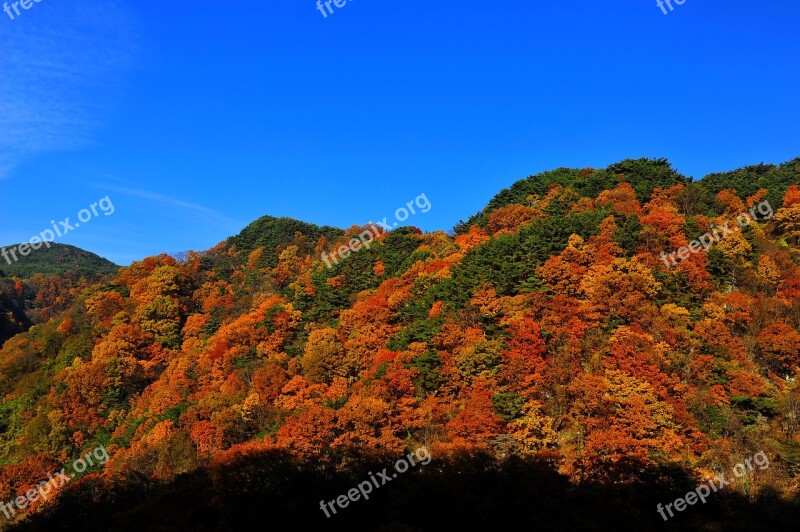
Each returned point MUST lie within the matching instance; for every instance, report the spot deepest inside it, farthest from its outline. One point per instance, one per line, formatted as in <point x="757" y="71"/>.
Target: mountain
<point x="608" y="340"/>
<point x="642" y="174"/>
<point x="57" y="259"/>
<point x="272" y="234"/>
<point x="748" y="180"/>
<point x="44" y="280"/>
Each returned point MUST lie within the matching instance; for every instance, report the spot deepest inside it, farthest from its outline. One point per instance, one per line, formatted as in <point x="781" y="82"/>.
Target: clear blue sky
<point x="198" y="117"/>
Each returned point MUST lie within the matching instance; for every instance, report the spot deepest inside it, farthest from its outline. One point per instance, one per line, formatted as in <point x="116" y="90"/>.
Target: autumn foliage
<point x="548" y="328"/>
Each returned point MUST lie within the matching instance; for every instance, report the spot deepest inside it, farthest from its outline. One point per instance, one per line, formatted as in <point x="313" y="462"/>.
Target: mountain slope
<point x="56" y="260"/>
<point x="549" y="343"/>
<point x="45" y="279"/>
<point x="273" y="233"/>
<point x="642" y="174"/>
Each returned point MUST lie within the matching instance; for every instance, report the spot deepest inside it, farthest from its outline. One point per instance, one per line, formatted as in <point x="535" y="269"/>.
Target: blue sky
<point x="196" y="118"/>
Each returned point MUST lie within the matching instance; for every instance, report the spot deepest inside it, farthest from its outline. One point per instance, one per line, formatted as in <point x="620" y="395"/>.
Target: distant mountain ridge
<point x="57" y="260"/>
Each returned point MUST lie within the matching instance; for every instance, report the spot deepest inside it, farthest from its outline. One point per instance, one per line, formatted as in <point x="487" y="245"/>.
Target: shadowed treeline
<point x="267" y="489"/>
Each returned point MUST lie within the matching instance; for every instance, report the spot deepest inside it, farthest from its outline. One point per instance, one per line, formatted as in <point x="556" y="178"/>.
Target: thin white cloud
<point x="61" y="67"/>
<point x="173" y="202"/>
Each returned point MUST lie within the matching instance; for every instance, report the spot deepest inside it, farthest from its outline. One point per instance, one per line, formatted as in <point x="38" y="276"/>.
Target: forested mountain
<point x="562" y="370"/>
<point x="272" y="234"/>
<point x="57" y="259"/>
<point x="38" y="285"/>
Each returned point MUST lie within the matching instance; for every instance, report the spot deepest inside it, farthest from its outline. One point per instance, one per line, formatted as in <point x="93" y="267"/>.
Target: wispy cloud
<point x="166" y="200"/>
<point x="61" y="67"/>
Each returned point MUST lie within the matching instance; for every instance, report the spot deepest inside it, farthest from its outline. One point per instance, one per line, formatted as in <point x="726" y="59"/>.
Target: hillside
<point x="272" y="234"/>
<point x="571" y="346"/>
<point x="57" y="260"/>
<point x="43" y="283"/>
<point x="642" y="174"/>
<point x="13" y="319"/>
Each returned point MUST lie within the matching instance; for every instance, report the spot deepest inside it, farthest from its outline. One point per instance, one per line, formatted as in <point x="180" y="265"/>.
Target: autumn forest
<point x="560" y="373"/>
